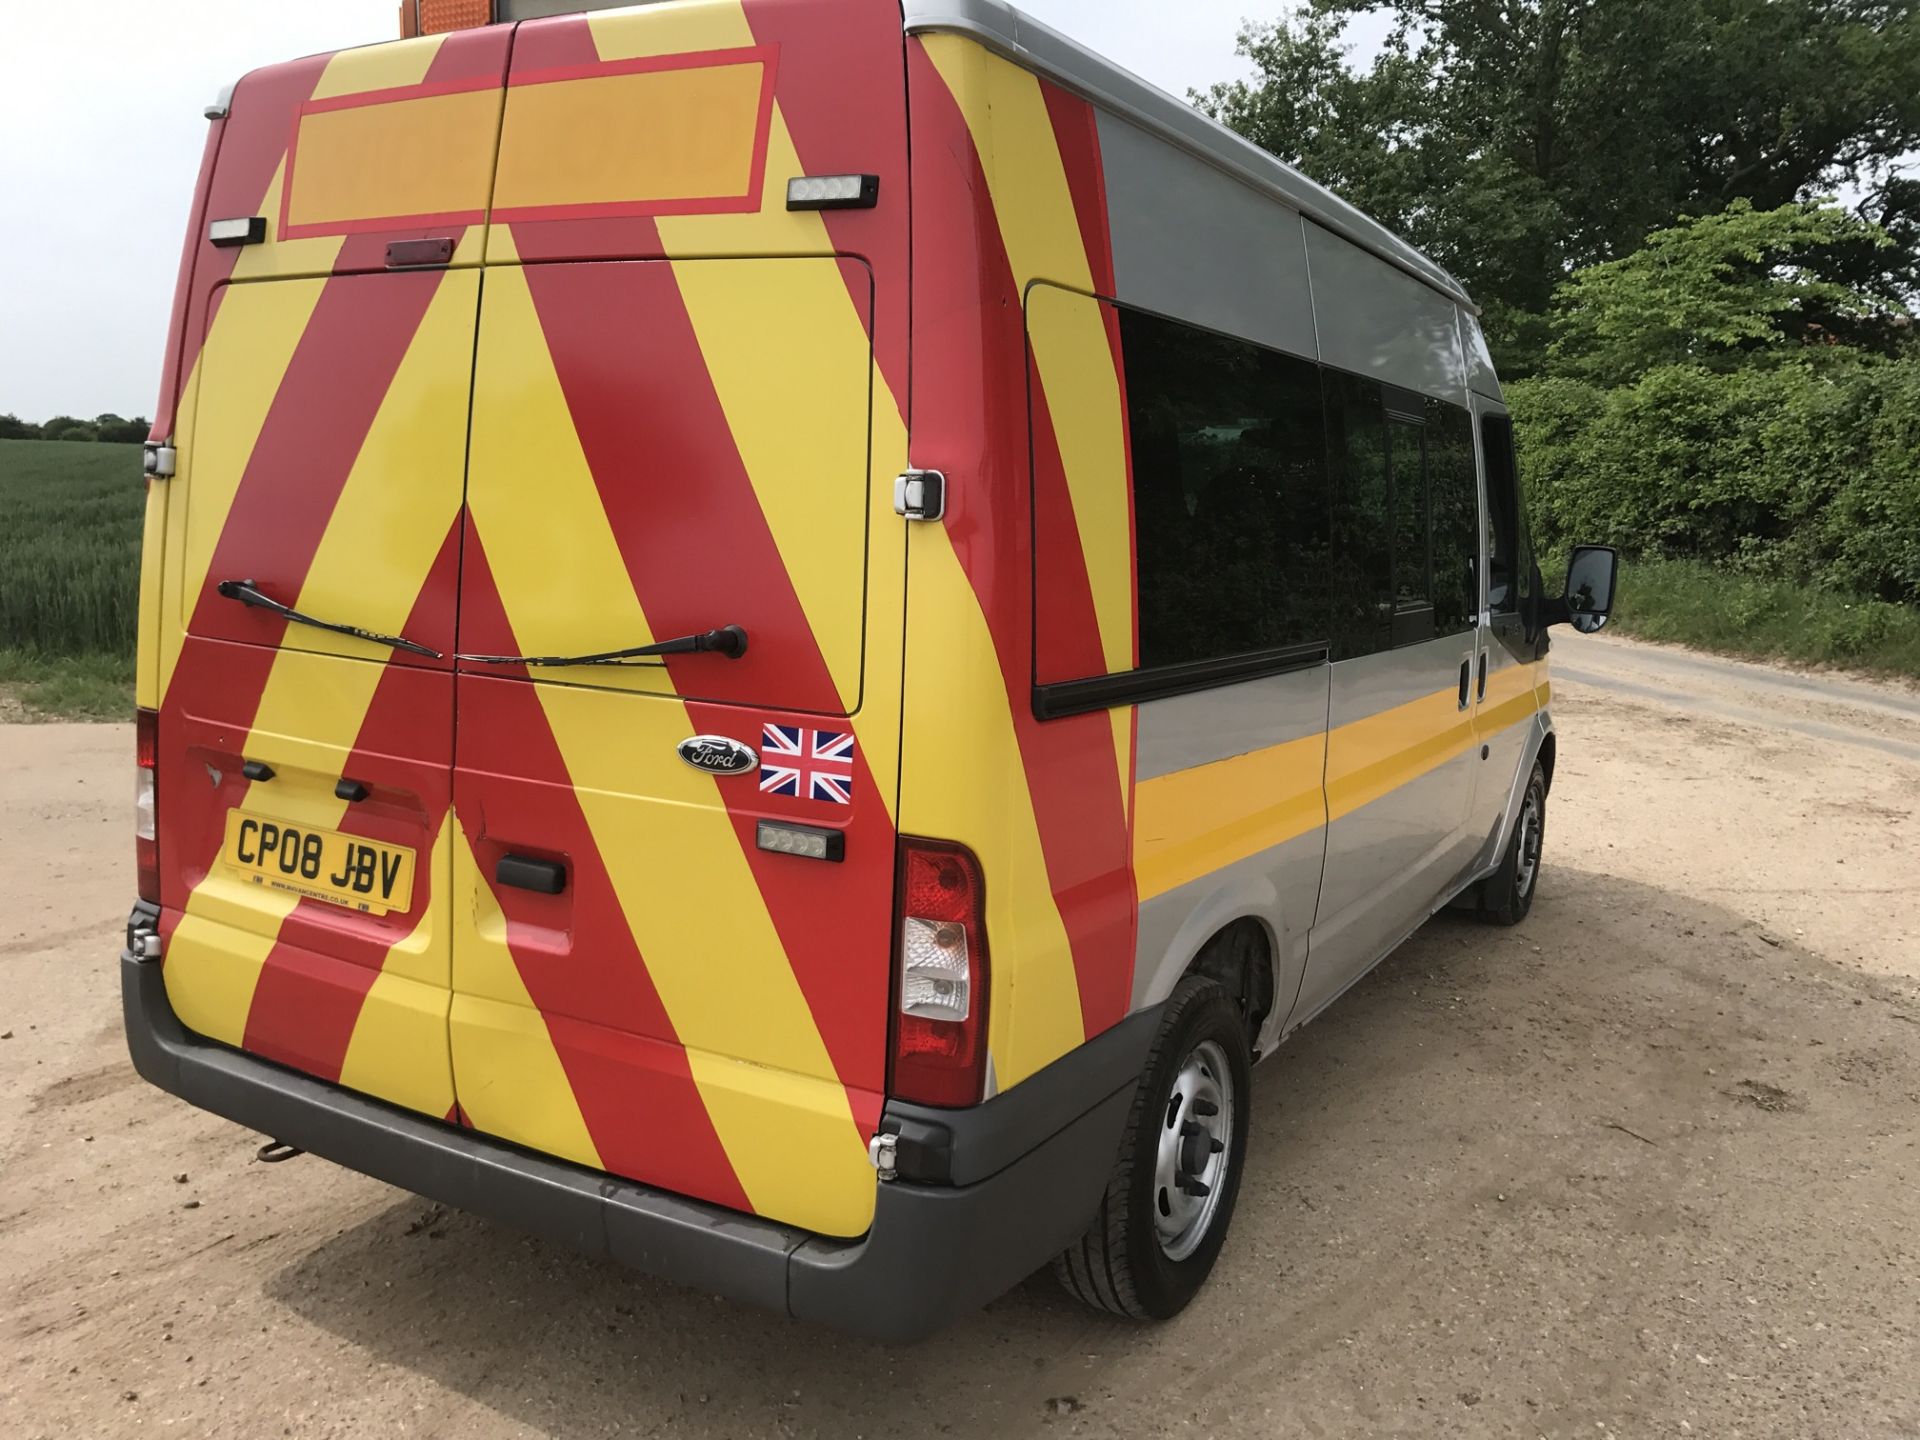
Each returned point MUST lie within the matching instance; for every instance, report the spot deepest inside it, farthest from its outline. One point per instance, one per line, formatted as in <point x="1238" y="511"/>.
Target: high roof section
<point x="1037" y="47"/>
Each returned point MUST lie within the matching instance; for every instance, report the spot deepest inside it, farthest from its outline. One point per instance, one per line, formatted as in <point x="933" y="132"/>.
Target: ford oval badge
<point x="717" y="754"/>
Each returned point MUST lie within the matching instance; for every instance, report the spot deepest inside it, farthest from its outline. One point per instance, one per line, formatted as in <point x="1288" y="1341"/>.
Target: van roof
<point x="1035" y="46"/>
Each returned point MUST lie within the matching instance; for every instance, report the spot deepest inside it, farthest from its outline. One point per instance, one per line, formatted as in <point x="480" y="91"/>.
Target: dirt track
<point x="1649" y="1164"/>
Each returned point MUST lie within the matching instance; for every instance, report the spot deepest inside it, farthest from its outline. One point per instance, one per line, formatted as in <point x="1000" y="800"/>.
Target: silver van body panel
<point x="1387" y="859"/>
<point x="1480" y="377"/>
<point x="1163" y="264"/>
<point x="1045" y="51"/>
<point x="1275" y="887"/>
<point x="1278" y="885"/>
<point x="1208" y="725"/>
<point x="1380" y="323"/>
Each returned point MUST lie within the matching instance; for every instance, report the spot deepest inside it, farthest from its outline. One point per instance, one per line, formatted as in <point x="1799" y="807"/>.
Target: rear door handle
<point x="523" y="872"/>
<point x="1466" y="675"/>
<point x="1481" y="693"/>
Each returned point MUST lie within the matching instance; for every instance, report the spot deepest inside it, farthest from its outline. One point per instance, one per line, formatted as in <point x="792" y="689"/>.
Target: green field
<point x="69" y="565"/>
<point x="70" y="552"/>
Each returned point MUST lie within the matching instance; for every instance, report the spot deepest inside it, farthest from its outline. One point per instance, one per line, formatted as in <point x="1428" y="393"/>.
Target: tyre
<point x="1507" y="895"/>
<point x="1170" y="1199"/>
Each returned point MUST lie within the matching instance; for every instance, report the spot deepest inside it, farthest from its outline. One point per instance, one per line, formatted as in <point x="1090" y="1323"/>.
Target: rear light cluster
<point x="940" y="1024"/>
<point x="146" y="844"/>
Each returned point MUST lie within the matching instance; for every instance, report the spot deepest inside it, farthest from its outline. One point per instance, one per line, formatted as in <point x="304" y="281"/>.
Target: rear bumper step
<point x="934" y="1252"/>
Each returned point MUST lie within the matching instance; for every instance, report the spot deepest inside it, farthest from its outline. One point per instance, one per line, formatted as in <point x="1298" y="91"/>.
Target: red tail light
<point x="940" y="1015"/>
<point x="146" y="845"/>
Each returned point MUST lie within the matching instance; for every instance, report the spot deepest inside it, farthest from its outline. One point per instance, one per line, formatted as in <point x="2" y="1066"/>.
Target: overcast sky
<point x="101" y="133"/>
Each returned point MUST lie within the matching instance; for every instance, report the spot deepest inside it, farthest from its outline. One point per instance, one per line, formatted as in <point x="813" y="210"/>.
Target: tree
<point x="1520" y="139"/>
<point x="112" y="429"/>
<point x="12" y="427"/>
<point x="1730" y="290"/>
<point x="67" y="427"/>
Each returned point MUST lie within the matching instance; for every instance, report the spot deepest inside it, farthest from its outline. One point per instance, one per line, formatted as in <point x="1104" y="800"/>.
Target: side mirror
<point x="1588" y="598"/>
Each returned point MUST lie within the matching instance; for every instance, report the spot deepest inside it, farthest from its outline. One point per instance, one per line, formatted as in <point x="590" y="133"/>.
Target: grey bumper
<point x="1018" y="1178"/>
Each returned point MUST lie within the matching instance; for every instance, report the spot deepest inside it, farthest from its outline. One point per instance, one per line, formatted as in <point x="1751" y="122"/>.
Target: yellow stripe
<point x="721" y="973"/>
<point x="1369" y="757"/>
<point x="247" y="353"/>
<point x="404" y="490"/>
<point x="963" y="777"/>
<point x="398" y="1050"/>
<point x="153" y="550"/>
<point x="1006" y="114"/>
<point x="1192" y="822"/>
<point x="789" y="360"/>
<point x="510" y="1079"/>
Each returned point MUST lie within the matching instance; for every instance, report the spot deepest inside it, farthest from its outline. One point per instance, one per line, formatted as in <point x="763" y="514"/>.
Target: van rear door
<point x="672" y="971"/>
<point x="305" y="774"/>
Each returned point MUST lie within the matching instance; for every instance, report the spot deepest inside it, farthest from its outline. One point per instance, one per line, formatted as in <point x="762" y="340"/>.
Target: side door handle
<point x="523" y="872"/>
<point x="1481" y="692"/>
<point x="1466" y="676"/>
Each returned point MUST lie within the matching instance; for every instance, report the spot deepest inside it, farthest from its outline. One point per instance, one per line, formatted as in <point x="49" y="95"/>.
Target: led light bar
<point x="241" y="230"/>
<point x="833" y="192"/>
<point x="806" y="841"/>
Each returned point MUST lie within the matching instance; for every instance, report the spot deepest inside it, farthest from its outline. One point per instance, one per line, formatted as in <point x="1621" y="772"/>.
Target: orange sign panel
<point x="664" y="135"/>
<point x="389" y="159"/>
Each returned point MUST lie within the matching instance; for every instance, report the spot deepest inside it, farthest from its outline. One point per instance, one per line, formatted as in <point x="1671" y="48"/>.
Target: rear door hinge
<point x="884" y="1151"/>
<point x="159" y="460"/>
<point x="920" y="494"/>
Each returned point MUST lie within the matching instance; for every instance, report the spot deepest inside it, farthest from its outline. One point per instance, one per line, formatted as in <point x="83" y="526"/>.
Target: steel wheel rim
<point x="1195" y="1148"/>
<point x="1529" y="859"/>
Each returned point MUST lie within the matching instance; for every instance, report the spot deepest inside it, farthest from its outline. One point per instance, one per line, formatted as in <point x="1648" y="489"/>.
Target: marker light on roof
<point x="833" y="192"/>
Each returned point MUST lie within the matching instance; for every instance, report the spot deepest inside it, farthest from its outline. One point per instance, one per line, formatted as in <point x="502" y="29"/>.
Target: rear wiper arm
<point x="728" y="640"/>
<point x="247" y="593"/>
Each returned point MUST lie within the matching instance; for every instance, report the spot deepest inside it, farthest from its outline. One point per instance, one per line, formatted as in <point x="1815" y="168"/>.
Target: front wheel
<point x="1507" y="895"/>
<point x="1167" y="1206"/>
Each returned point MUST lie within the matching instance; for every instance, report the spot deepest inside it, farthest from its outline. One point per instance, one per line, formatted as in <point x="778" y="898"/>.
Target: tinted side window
<point x="1453" y="499"/>
<point x="1230" y="493"/>
<point x="1363" y="592"/>
<point x="1412" y="554"/>
<point x="1509" y="560"/>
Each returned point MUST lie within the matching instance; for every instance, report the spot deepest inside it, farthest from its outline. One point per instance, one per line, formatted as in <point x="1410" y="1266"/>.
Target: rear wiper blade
<point x="728" y="640"/>
<point x="247" y="593"/>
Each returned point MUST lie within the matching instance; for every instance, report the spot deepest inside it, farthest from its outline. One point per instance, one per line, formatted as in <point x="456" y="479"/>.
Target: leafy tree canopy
<point x="1518" y="140"/>
<point x="1729" y="290"/>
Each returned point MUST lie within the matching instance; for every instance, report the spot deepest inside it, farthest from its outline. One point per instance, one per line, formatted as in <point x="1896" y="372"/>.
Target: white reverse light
<point x="833" y="192"/>
<point x="934" y="975"/>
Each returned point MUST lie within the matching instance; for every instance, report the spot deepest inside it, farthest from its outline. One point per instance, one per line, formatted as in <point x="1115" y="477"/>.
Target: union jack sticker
<point x="809" y="764"/>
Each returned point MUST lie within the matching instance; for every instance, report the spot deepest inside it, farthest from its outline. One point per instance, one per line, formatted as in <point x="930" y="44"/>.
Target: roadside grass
<point x="66" y="687"/>
<point x="1690" y="603"/>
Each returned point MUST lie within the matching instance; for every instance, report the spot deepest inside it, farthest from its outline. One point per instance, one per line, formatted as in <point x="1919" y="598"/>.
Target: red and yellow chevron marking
<point x="322" y="391"/>
<point x="1056" y="843"/>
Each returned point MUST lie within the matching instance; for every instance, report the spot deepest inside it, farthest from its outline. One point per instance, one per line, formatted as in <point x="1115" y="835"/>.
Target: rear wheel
<point x="1507" y="895"/>
<point x="1164" y="1217"/>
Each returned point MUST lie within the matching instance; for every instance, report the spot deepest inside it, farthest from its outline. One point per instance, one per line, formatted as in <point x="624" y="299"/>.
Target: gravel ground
<point x="1647" y="1164"/>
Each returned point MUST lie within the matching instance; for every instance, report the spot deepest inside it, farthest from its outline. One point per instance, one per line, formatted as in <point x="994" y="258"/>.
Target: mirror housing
<point x="1592" y="574"/>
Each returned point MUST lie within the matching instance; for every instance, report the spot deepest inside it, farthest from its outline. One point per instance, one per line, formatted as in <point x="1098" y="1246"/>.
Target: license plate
<point x="320" y="864"/>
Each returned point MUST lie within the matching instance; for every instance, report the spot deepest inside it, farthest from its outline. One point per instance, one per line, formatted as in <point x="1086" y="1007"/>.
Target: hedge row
<point x="1803" y="471"/>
